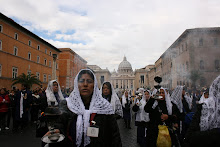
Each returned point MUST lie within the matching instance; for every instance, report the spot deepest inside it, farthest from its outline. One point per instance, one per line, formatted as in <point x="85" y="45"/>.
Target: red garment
<point x="4" y="105"/>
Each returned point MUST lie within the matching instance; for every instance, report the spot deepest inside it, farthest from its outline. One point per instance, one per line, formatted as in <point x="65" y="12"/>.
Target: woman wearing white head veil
<point x="126" y="103"/>
<point x="205" y="127"/>
<point x="160" y="113"/>
<point x="109" y="94"/>
<point x="53" y="93"/>
<point x="142" y="118"/>
<point x="88" y="120"/>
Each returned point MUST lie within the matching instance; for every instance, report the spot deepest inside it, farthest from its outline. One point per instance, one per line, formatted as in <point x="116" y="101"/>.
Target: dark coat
<point x="155" y="120"/>
<point x="195" y="137"/>
<point x="26" y="105"/>
<point x="109" y="135"/>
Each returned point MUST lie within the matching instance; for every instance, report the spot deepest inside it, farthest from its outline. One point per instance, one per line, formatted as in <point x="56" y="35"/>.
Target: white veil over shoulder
<point x="115" y="101"/>
<point x="50" y="93"/>
<point x="168" y="103"/>
<point x="75" y="104"/>
<point x="210" y="116"/>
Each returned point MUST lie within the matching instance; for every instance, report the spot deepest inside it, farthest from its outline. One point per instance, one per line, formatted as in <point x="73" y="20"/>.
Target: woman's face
<point x="86" y="85"/>
<point x="206" y="95"/>
<point x="2" y="91"/>
<point x="126" y="94"/>
<point x="55" y="87"/>
<point x="162" y="93"/>
<point x="106" y="90"/>
<point x="147" y="95"/>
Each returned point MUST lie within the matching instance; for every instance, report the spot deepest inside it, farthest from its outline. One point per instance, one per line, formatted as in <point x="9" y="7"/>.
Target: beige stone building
<point x="102" y="75"/>
<point x="195" y="50"/>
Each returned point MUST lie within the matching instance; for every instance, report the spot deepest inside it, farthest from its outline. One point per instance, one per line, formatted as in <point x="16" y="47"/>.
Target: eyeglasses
<point x="87" y="80"/>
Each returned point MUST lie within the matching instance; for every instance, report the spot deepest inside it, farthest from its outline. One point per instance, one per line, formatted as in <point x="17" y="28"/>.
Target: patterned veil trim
<point x="210" y="116"/>
<point x="168" y="103"/>
<point x="115" y="101"/>
<point x="50" y="93"/>
<point x="75" y="104"/>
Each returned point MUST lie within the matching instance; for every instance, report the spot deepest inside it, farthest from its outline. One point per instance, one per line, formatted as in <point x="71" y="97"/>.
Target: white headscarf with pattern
<point x="75" y="104"/>
<point x="210" y="114"/>
<point x="115" y="101"/>
<point x="50" y="93"/>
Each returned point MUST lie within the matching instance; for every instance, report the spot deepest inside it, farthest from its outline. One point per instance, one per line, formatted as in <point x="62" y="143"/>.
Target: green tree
<point x="26" y="80"/>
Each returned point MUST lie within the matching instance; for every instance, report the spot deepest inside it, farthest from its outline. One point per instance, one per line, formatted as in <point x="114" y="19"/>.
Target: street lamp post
<point x="54" y="67"/>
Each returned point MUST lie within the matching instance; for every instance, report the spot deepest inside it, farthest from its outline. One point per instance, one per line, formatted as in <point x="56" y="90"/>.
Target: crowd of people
<point x="163" y="117"/>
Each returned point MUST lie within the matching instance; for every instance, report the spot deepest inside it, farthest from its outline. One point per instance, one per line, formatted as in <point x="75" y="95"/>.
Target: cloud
<point x="102" y="32"/>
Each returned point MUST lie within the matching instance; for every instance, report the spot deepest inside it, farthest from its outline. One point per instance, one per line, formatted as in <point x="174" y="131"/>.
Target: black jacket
<point x="155" y="120"/>
<point x="109" y="135"/>
<point x="195" y="137"/>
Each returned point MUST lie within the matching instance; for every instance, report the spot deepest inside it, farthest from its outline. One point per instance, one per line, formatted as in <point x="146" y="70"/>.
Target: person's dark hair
<point x="109" y="86"/>
<point x="85" y="72"/>
<point x="146" y="91"/>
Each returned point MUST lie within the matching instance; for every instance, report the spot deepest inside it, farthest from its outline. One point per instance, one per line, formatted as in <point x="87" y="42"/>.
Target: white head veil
<point x="168" y="103"/>
<point x="124" y="99"/>
<point x="176" y="98"/>
<point x="210" y="116"/>
<point x="141" y="115"/>
<point x="75" y="104"/>
<point x="115" y="101"/>
<point x="50" y="93"/>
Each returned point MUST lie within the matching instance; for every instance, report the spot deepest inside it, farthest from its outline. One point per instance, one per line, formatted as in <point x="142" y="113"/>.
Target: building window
<point x="201" y="64"/>
<point x="50" y="53"/>
<point x="14" y="72"/>
<point x="16" y="36"/>
<point x="49" y="63"/>
<point x="56" y="66"/>
<point x="38" y="47"/>
<point x="142" y="79"/>
<point x="217" y="67"/>
<point x="186" y="46"/>
<point x="215" y="41"/>
<point x="0" y="70"/>
<point x="29" y="55"/>
<point x="38" y="75"/>
<point x="200" y="42"/>
<point x="49" y="77"/>
<point x="187" y="65"/>
<point x="1" y="28"/>
<point x="29" y="43"/>
<point x="45" y="78"/>
<point x="15" y="51"/>
<point x="0" y="45"/>
<point x="45" y="51"/>
<point x="29" y="72"/>
<point x="38" y="59"/>
<point x="45" y="61"/>
<point x="102" y="79"/>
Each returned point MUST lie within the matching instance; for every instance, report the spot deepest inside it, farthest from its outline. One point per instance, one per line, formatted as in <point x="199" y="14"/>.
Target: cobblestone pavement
<point x="27" y="137"/>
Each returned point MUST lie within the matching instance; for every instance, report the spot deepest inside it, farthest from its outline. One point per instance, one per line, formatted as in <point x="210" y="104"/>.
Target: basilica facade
<point x="124" y="78"/>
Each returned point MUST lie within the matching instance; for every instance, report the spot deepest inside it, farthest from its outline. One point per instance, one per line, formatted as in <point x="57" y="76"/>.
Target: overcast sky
<point x="103" y="31"/>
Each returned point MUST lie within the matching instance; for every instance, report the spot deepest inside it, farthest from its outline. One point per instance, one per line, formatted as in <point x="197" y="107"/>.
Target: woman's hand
<point x="164" y="117"/>
<point x="52" y="132"/>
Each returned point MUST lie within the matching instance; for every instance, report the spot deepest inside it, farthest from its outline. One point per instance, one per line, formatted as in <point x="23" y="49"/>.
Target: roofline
<point x="13" y="23"/>
<point x="187" y="31"/>
<point x="70" y="50"/>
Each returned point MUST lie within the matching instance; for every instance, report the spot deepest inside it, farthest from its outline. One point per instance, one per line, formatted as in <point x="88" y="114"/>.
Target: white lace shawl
<point x="75" y="104"/>
<point x="50" y="93"/>
<point x="168" y="103"/>
<point x="202" y="99"/>
<point x="115" y="101"/>
<point x="210" y="116"/>
<point x="141" y="115"/>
